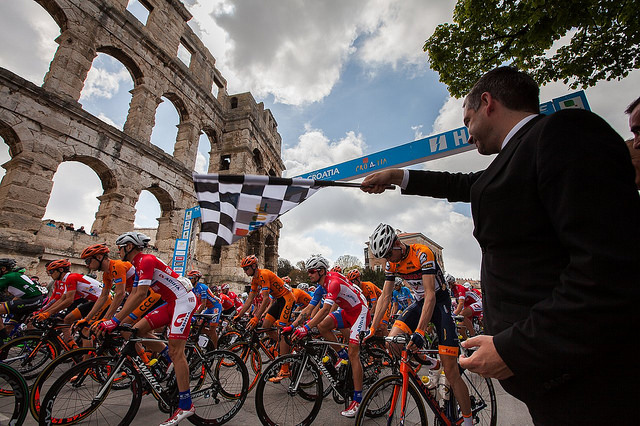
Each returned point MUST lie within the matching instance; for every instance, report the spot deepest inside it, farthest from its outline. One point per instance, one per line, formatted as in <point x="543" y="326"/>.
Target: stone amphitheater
<point x="46" y="125"/>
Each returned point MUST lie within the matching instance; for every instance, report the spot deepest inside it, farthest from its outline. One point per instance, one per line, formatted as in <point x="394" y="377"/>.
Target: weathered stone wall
<point x="45" y="126"/>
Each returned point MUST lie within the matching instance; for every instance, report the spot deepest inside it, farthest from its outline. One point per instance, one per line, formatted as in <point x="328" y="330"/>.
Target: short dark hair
<point x="632" y="106"/>
<point x="514" y="89"/>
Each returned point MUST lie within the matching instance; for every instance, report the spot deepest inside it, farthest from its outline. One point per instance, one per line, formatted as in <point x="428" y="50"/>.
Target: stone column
<point x="24" y="194"/>
<point x="115" y="215"/>
<point x="142" y="113"/>
<point x="186" y="147"/>
<point x="70" y="65"/>
<point x="167" y="232"/>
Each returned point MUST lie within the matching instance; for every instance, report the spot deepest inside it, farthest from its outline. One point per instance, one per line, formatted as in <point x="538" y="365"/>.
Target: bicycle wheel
<point x="483" y="399"/>
<point x="13" y="396"/>
<point x="277" y="403"/>
<point x="222" y="390"/>
<point x="28" y="355"/>
<point x="251" y="357"/>
<point x="73" y="396"/>
<point x="385" y="394"/>
<point x="227" y="339"/>
<point x="50" y="374"/>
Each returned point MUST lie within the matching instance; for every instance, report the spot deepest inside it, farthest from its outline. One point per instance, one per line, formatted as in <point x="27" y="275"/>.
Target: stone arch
<point x="136" y="73"/>
<point x="257" y="159"/>
<point x="105" y="174"/>
<point x="10" y="138"/>
<point x="180" y="106"/>
<point x="167" y="203"/>
<point x="57" y="13"/>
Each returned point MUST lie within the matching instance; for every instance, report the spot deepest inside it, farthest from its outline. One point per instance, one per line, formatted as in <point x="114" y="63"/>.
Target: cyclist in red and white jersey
<point x="75" y="292"/>
<point x="351" y="319"/>
<point x="469" y="305"/>
<point x="176" y="312"/>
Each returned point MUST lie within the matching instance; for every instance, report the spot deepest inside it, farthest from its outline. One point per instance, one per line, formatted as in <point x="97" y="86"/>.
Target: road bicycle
<point x="398" y="398"/>
<point x="31" y="353"/>
<point x="297" y="399"/>
<point x="108" y="345"/>
<point x="13" y="396"/>
<point x="255" y="351"/>
<point x="108" y="390"/>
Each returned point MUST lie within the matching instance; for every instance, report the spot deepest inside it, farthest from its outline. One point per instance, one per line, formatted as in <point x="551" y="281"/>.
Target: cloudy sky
<point x="342" y="78"/>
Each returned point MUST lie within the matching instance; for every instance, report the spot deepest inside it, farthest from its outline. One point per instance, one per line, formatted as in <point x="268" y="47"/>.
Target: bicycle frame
<point x="409" y="374"/>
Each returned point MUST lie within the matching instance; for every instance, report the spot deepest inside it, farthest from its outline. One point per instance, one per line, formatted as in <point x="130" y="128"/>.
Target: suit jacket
<point x="557" y="217"/>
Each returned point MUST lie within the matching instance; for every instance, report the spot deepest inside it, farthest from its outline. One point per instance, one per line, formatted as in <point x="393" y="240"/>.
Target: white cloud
<point x="315" y="151"/>
<point x="102" y="83"/>
<point x="202" y="163"/>
<point x="28" y="34"/>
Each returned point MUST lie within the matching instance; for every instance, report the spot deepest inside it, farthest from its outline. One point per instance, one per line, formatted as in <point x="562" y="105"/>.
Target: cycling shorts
<point x="281" y="309"/>
<point x="355" y="319"/>
<point x="177" y="314"/>
<point x="441" y="318"/>
<point x="150" y="303"/>
<point x="476" y="308"/>
<point x="24" y="306"/>
<point x="84" y="308"/>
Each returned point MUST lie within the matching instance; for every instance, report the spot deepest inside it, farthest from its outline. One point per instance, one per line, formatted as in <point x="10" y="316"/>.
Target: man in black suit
<point x="556" y="215"/>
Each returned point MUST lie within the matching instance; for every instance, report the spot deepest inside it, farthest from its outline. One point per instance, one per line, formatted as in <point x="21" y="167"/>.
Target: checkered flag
<point x="231" y="206"/>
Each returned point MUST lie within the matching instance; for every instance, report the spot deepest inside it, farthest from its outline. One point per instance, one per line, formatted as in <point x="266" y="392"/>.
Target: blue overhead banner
<point x="430" y="148"/>
<point x="433" y="147"/>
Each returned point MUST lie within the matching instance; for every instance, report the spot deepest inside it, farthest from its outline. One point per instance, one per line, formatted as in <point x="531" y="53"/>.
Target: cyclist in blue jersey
<point x="208" y="303"/>
<point x="401" y="298"/>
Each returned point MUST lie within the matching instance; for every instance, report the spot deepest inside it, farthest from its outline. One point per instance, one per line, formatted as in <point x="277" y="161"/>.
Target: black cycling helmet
<point x="10" y="264"/>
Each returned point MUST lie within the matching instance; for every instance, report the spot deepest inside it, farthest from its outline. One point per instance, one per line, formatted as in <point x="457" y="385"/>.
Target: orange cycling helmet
<point x="249" y="260"/>
<point x="353" y="275"/>
<point x="60" y="263"/>
<point x="194" y="273"/>
<point x="94" y="250"/>
<point x="336" y="269"/>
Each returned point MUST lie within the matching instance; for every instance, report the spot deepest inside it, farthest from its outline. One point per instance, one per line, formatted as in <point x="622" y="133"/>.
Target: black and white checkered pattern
<point x="231" y="206"/>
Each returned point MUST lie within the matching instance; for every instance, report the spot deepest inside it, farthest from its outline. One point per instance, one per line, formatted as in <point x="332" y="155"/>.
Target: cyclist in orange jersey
<point x="417" y="265"/>
<point x="267" y="283"/>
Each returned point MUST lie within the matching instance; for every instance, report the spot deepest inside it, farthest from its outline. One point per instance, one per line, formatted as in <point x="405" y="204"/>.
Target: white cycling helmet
<point x="466" y="285"/>
<point x="303" y="286"/>
<point x="244" y="296"/>
<point x="138" y="239"/>
<point x="316" y="261"/>
<point x="450" y="279"/>
<point x="382" y="239"/>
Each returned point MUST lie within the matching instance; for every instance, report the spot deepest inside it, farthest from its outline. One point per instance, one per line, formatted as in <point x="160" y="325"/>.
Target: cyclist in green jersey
<point x="26" y="296"/>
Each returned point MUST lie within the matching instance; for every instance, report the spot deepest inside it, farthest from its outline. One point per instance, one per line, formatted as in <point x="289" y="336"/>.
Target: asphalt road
<point x="510" y="412"/>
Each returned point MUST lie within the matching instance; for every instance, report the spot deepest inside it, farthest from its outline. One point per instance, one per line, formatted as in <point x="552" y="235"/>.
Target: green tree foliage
<point x="604" y="41"/>
<point x="348" y="262"/>
<point x="376" y="277"/>
<point x="284" y="267"/>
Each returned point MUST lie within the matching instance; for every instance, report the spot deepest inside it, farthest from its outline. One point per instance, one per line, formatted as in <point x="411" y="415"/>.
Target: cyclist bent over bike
<point x="417" y="265"/>
<point x="176" y="312"/>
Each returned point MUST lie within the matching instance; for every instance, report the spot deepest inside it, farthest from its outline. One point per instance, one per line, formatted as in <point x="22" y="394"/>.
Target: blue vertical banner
<point x="180" y="259"/>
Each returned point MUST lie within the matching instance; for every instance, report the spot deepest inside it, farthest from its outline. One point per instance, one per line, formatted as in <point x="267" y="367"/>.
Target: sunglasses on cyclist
<point x="312" y="271"/>
<point x="390" y="252"/>
<point x="246" y="267"/>
<point x="89" y="260"/>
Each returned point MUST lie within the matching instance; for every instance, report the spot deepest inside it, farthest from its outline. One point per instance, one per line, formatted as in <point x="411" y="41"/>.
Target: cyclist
<point x="180" y="302"/>
<point x="401" y="298"/>
<point x="208" y="303"/>
<point x="469" y="305"/>
<point x="27" y="296"/>
<point x="267" y="283"/>
<point x="351" y="319"/>
<point x="417" y="265"/>
<point x="115" y="273"/>
<point x="74" y="292"/>
<point x="228" y="306"/>
<point x="371" y="292"/>
<point x="237" y="303"/>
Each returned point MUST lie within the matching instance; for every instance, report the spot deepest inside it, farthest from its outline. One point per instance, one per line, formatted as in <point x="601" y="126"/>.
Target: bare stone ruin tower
<point x="46" y="126"/>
